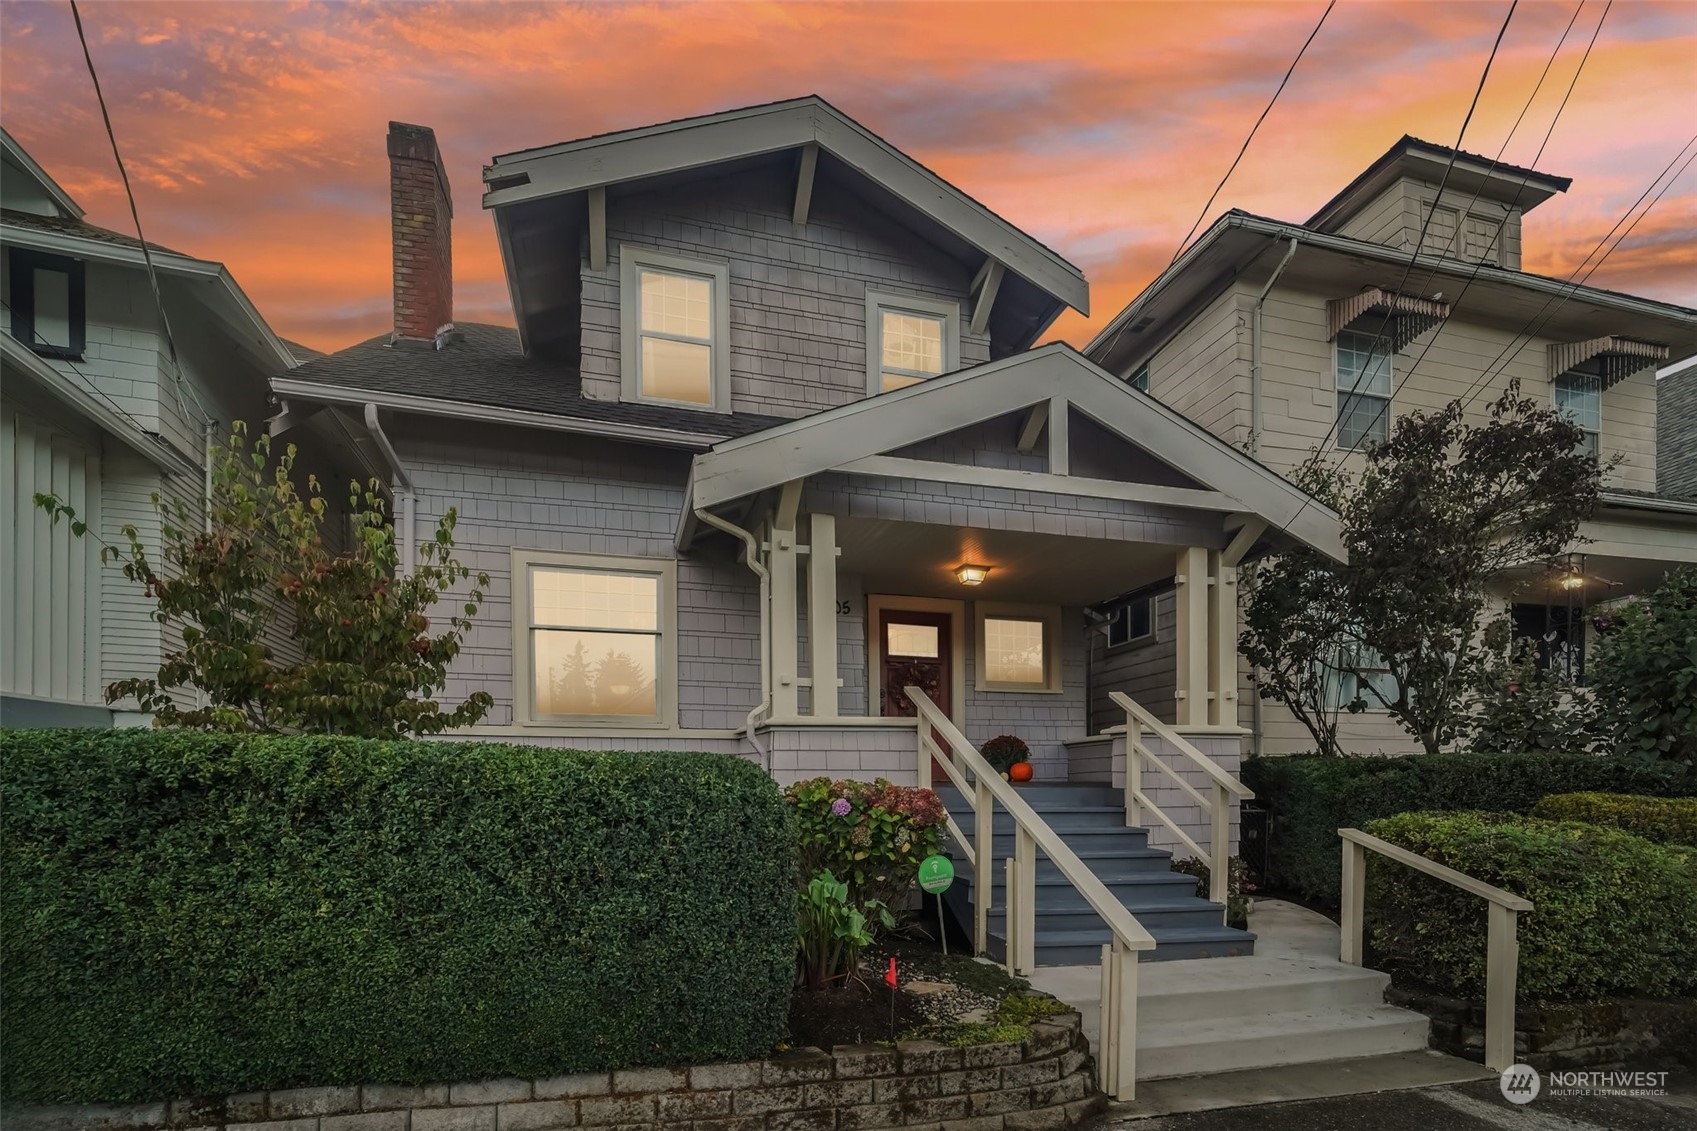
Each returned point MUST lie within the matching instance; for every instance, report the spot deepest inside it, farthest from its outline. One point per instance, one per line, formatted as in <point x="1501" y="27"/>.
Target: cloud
<point x="254" y="132"/>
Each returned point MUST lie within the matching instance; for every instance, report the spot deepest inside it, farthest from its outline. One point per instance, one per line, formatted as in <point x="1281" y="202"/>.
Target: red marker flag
<point x="890" y="975"/>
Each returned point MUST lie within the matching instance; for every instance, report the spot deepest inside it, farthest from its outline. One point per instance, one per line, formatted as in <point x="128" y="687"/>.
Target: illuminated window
<point x="676" y="330"/>
<point x="913" y="641"/>
<point x="595" y="637"/>
<point x="1018" y="647"/>
<point x="909" y="340"/>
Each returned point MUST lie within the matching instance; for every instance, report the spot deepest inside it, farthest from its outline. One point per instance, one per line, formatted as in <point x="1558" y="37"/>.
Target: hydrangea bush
<point x="870" y="835"/>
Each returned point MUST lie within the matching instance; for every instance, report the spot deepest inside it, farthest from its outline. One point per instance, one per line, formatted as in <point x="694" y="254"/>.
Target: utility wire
<point x="135" y="215"/>
<point x="1420" y="240"/>
<point x="1479" y="264"/>
<point x="1200" y="216"/>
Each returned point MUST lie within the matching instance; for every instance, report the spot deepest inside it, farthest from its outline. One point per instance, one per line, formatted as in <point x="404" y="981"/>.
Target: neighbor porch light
<point x="972" y="574"/>
<point x="1572" y="581"/>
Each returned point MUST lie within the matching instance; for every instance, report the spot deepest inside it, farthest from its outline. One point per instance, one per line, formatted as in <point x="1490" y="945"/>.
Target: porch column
<point x="781" y="558"/>
<point x="822" y="613"/>
<point x="1190" y="599"/>
<point x="1222" y="618"/>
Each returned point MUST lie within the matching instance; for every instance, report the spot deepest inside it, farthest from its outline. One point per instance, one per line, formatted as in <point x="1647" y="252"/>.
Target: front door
<point x="915" y="651"/>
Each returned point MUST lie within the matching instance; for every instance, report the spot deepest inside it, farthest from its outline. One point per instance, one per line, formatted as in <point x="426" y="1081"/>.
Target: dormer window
<point x="47" y="302"/>
<point x="675" y="326"/>
<point x="909" y="340"/>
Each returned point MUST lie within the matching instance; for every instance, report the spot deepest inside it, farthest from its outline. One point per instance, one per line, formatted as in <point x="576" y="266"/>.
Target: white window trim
<point x="878" y="301"/>
<point x="879" y="603"/>
<point x="633" y="258"/>
<point x="1341" y="390"/>
<point x="1555" y="403"/>
<point x="1050" y="615"/>
<point x="1153" y="636"/>
<point x="665" y="717"/>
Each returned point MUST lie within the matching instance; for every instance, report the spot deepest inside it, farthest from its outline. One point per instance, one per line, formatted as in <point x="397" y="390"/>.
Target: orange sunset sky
<point x="254" y="132"/>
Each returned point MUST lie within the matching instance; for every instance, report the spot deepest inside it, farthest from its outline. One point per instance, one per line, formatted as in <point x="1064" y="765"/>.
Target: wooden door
<point x="915" y="652"/>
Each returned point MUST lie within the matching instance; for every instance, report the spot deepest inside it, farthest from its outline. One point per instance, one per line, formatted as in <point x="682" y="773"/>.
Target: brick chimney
<point x="421" y="212"/>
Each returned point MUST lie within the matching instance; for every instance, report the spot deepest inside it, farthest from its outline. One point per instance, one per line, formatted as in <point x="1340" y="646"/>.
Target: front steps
<point x="1292" y="1004"/>
<point x="1091" y="820"/>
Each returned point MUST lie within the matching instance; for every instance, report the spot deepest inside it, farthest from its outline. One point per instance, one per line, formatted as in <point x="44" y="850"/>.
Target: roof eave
<point x="48" y="185"/>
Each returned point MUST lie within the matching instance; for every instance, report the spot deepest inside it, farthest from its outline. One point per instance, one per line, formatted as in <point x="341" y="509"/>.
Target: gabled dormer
<point x="1476" y="219"/>
<point x="778" y="260"/>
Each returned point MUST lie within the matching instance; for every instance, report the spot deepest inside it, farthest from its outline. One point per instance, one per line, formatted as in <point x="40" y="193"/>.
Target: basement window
<point x="48" y="304"/>
<point x="909" y="340"/>
<point x="674" y="329"/>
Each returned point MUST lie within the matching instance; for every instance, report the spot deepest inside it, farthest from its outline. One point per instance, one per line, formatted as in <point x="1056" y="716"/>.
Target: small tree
<point x="1442" y="509"/>
<point x="1517" y="706"/>
<point x="1644" y="672"/>
<point x="261" y="572"/>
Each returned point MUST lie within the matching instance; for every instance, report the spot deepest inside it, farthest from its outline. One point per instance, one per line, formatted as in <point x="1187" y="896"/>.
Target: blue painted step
<point x="1091" y="820"/>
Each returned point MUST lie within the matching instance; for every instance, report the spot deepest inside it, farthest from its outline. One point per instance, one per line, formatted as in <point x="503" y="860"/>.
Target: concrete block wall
<point x="798" y="299"/>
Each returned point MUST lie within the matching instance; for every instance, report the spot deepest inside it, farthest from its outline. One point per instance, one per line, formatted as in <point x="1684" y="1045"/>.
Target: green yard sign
<point x="936" y="873"/>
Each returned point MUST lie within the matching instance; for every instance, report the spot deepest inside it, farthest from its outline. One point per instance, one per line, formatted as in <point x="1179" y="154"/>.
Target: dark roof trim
<point x="48" y="185"/>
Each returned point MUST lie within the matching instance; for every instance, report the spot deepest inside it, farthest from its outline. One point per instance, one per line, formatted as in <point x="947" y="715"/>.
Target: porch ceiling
<point x="919" y="559"/>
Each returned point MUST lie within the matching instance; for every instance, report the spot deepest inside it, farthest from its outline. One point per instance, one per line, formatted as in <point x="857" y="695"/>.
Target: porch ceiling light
<point x="972" y="574"/>
<point x="1572" y="581"/>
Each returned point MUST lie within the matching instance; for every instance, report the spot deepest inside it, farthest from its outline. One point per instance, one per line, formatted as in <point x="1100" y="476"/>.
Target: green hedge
<point x="1312" y="796"/>
<point x="190" y="914"/>
<point x="1665" y="820"/>
<point x="1613" y="913"/>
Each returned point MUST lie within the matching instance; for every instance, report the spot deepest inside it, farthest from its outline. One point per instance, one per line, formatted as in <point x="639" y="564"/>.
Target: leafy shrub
<point x="831" y="932"/>
<point x="1644" y="673"/>
<point x="871" y="835"/>
<point x="1614" y="913"/>
<point x="1313" y="796"/>
<point x="1520" y="708"/>
<point x="1238" y="887"/>
<point x="1004" y="750"/>
<point x="1665" y="820"/>
<point x="189" y="913"/>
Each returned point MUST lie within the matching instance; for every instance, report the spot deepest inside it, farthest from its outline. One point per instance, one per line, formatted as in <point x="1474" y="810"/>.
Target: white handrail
<point x="961" y="761"/>
<point x="1218" y="807"/>
<point x="1502" y="947"/>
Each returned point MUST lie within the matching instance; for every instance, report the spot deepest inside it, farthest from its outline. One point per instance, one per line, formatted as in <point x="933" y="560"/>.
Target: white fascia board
<point x="839" y="436"/>
<point x="504" y="238"/>
<point x="48" y="185"/>
<point x="311" y="391"/>
<point x="96" y="411"/>
<point x="1152" y="494"/>
<point x="1664" y="504"/>
<point x="672" y="147"/>
<point x="166" y="263"/>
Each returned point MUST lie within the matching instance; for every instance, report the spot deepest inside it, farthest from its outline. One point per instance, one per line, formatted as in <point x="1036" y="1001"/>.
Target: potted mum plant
<point x="1009" y="756"/>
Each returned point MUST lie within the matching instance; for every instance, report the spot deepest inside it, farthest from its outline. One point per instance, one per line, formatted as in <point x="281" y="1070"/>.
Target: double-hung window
<point x="593" y="638"/>
<point x="675" y="328"/>
<point x="1579" y="397"/>
<point x="1359" y="674"/>
<point x="909" y="340"/>
<point x="48" y="304"/>
<point x="1364" y="389"/>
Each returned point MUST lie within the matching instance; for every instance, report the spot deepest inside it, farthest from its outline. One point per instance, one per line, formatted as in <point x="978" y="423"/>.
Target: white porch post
<point x="1191" y="606"/>
<point x="822" y="614"/>
<point x="783" y="558"/>
<point x="1222" y="616"/>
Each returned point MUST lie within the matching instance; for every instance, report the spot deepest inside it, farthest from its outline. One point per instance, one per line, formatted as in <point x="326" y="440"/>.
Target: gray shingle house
<point x="770" y="443"/>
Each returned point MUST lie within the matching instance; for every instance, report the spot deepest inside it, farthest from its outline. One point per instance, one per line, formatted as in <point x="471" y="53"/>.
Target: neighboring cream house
<point x="1264" y="332"/>
<point x="94" y="409"/>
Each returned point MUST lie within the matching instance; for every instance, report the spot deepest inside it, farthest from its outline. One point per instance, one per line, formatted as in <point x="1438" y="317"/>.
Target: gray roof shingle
<point x="67" y="226"/>
<point x="484" y="366"/>
<point x="1676" y="433"/>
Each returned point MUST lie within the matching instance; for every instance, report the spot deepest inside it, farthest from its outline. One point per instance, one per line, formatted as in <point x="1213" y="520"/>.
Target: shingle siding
<point x="798" y="299"/>
<point x="1676" y="433"/>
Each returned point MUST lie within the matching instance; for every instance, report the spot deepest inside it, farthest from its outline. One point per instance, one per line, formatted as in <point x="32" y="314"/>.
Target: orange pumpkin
<point x="1020" y="771"/>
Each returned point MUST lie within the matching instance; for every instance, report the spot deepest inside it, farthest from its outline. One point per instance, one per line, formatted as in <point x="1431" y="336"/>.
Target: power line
<point x="1479" y="264"/>
<point x="135" y="215"/>
<point x="1420" y="240"/>
<point x="93" y="388"/>
<point x="1252" y="130"/>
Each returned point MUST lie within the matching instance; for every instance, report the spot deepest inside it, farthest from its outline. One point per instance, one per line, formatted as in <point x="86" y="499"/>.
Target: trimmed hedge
<point x="1312" y="796"/>
<point x="1614" y="913"/>
<point x="195" y="914"/>
<point x="1665" y="820"/>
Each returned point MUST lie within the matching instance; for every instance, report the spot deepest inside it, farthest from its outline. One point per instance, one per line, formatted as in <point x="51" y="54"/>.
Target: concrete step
<point x="1207" y="990"/>
<point x="1266" y="1040"/>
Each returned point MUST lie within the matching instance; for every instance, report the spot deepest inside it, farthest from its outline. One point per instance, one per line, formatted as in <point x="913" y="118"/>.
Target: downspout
<point x="206" y="491"/>
<point x="1257" y="722"/>
<point x="402" y="485"/>
<point x="751" y="556"/>
<point x="1255" y="353"/>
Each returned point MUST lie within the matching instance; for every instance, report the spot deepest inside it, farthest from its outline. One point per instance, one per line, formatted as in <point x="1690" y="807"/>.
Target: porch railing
<point x="977" y="781"/>
<point x="1502" y="947"/>
<point x="1216" y="804"/>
